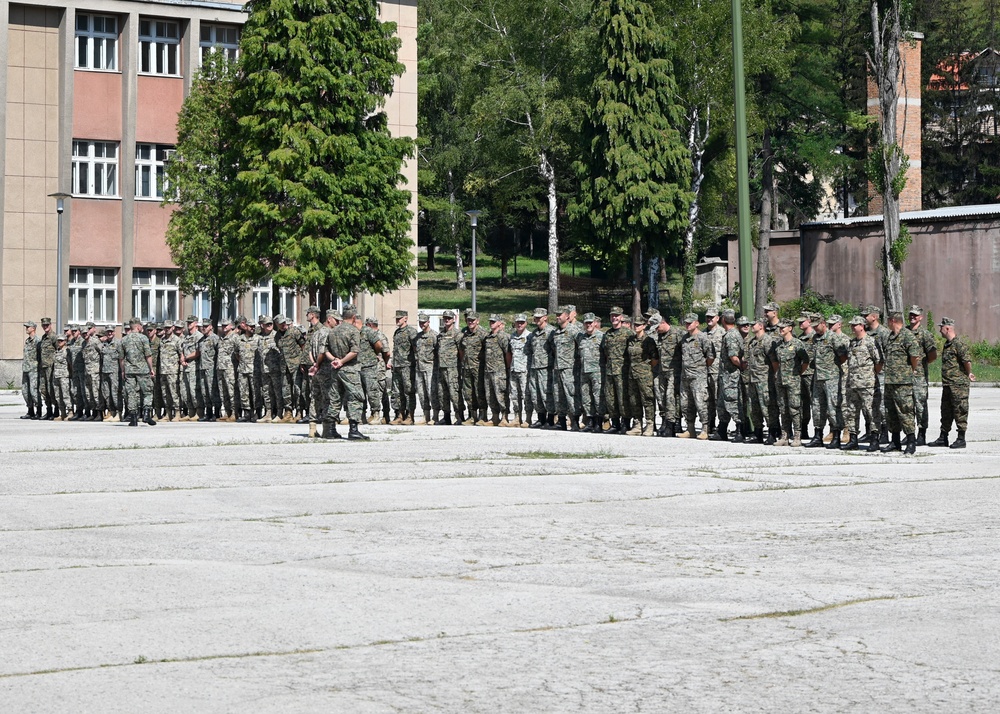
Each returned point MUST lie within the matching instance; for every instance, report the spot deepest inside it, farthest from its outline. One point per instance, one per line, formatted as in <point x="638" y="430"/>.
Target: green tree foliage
<point x="319" y="172"/>
<point x="200" y="183"/>
<point x="635" y="179"/>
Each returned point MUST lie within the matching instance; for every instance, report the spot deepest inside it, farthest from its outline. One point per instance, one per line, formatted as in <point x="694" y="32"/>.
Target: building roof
<point x="216" y="5"/>
<point x="950" y="212"/>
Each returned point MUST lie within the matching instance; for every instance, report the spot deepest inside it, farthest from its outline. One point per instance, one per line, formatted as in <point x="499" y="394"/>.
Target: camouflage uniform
<point x="404" y="399"/>
<point x="290" y="342"/>
<point x="563" y="340"/>
<point x="46" y="353"/>
<point x="303" y="382"/>
<point x="539" y="351"/>
<point x="384" y="380"/>
<point x="879" y="334"/>
<point x="60" y="381"/>
<point x="927" y="345"/>
<point x="696" y="350"/>
<point x="715" y="336"/>
<point x="640" y="352"/>
<point x="668" y="347"/>
<point x="272" y="374"/>
<point x="78" y="372"/>
<point x="109" y="375"/>
<point x="167" y="374"/>
<point x="209" y="348"/>
<point x="495" y="346"/>
<point x="771" y="336"/>
<point x="520" y="400"/>
<point x="806" y="381"/>
<point x="320" y="382"/>
<point x="826" y="403"/>
<point x="450" y="383"/>
<point x="29" y="376"/>
<point x="791" y="357"/>
<point x="863" y="357"/>
<point x="345" y="383"/>
<point x="154" y="348"/>
<point x="247" y="350"/>
<point x="613" y="348"/>
<point x="730" y="403"/>
<point x="424" y="344"/>
<point x="955" y="386"/>
<point x="133" y="349"/>
<point x="473" y="389"/>
<point x="591" y="364"/>
<point x="191" y="396"/>
<point x="92" y="373"/>
<point x="372" y="368"/>
<point x="757" y="351"/>
<point x="225" y="373"/>
<point x="900" y="347"/>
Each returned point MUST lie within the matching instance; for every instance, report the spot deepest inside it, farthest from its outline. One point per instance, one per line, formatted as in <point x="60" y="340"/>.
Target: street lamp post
<point x="742" y="166"/>
<point x="60" y="207"/>
<point x="474" y="220"/>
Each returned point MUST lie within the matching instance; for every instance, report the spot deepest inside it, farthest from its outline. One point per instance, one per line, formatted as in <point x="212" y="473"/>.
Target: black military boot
<point x="540" y="422"/>
<point x="769" y="440"/>
<point x="816" y="441"/>
<point x="835" y="441"/>
<point x="883" y="435"/>
<point x="911" y="445"/>
<point x="133" y="418"/>
<point x="941" y="440"/>
<point x="739" y="437"/>
<point x="330" y="430"/>
<point x="753" y="436"/>
<point x="49" y="415"/>
<point x="560" y="425"/>
<point x="922" y="437"/>
<point x="959" y="442"/>
<point x="721" y="433"/>
<point x="354" y="434"/>
<point x="30" y="414"/>
<point x="873" y="444"/>
<point x="624" y="426"/>
<point x="894" y="444"/>
<point x="852" y="443"/>
<point x="147" y="416"/>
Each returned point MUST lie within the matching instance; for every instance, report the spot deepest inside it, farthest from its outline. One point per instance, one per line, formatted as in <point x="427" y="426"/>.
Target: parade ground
<point x="216" y="567"/>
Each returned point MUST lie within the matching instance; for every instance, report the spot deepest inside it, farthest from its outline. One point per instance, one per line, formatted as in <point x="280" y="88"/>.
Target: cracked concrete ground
<point x="235" y="568"/>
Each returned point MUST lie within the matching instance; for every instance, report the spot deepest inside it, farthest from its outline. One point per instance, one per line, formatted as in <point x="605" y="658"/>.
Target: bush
<point x="985" y="352"/>
<point x="812" y="301"/>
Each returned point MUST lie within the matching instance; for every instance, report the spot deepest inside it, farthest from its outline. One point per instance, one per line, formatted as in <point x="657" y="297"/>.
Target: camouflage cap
<point x="834" y="319"/>
<point x="225" y="322"/>
<point x="571" y="308"/>
<point x="335" y="314"/>
<point x="241" y="320"/>
<point x="109" y="330"/>
<point x="691" y="317"/>
<point x="46" y="321"/>
<point x="90" y="325"/>
<point x="857" y="320"/>
<point x="448" y="315"/>
<point x="471" y="316"/>
<point x="422" y="317"/>
<point x="816" y="316"/>
<point x="896" y="315"/>
<point x="540" y="312"/>
<point x="654" y="320"/>
<point x="871" y="310"/>
<point x="638" y="321"/>
<point x="69" y="328"/>
<point x="916" y="310"/>
<point x="712" y="312"/>
<point x="520" y="317"/>
<point x="134" y="321"/>
<point x="563" y="310"/>
<point x="348" y="311"/>
<point x="313" y="310"/>
<point x="402" y="313"/>
<point x="650" y="311"/>
<point x="60" y="337"/>
<point x="589" y="317"/>
<point x="785" y="323"/>
<point x="804" y="317"/>
<point x="148" y="326"/>
<point x="947" y="322"/>
<point x="742" y="321"/>
<point x="279" y="319"/>
<point x="265" y="320"/>
<point x="30" y="323"/>
<point x="616" y="311"/>
<point x="261" y="318"/>
<point x="191" y="318"/>
<point x="728" y="316"/>
<point x="495" y="318"/>
<point x="205" y="322"/>
<point x="371" y="321"/>
<point x="771" y="307"/>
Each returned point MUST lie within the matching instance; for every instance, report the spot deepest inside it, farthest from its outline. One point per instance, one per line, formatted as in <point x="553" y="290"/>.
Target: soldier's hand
<point x="972" y="377"/>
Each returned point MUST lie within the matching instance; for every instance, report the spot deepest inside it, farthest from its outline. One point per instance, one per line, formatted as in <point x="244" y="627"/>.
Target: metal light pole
<point x="60" y="207"/>
<point x="474" y="220"/>
<point x="742" y="165"/>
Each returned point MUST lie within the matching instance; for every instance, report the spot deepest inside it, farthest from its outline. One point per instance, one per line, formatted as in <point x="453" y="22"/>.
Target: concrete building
<point x="91" y="92"/>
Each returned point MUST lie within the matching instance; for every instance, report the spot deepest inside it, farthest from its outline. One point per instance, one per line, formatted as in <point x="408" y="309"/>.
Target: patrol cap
<point x="46" y="321"/>
<point x="90" y="325"/>
<point x="191" y="318"/>
<point x="448" y="315"/>
<point x="742" y="321"/>
<point x="402" y="313"/>
<point x="815" y="316"/>
<point x="916" y="310"/>
<point x="654" y="320"/>
<point x="349" y="311"/>
<point x="616" y="311"/>
<point x="470" y="315"/>
<point x="265" y="320"/>
<point x="627" y="318"/>
<point x="338" y="317"/>
<point x="638" y="320"/>
<point x="241" y="320"/>
<point x="589" y="317"/>
<point x="422" y="317"/>
<point x="712" y="312"/>
<point x="60" y="338"/>
<point x="495" y="318"/>
<point x="872" y="310"/>
<point x="520" y="317"/>
<point x="650" y="311"/>
<point x="857" y="320"/>
<point x="70" y="327"/>
<point x="134" y="321"/>
<point x="804" y="317"/>
<point x="279" y="319"/>
<point x="109" y="330"/>
<point x="896" y="315"/>
<point x="205" y="322"/>
<point x="690" y="317"/>
<point x="286" y="321"/>
<point x="370" y="321"/>
<point x="947" y="321"/>
<point x="540" y="312"/>
<point x="313" y="310"/>
<point x="30" y="323"/>
<point x="149" y="326"/>
<point x="571" y="308"/>
<point x="834" y="319"/>
<point x="564" y="309"/>
<point x="785" y="323"/>
<point x="225" y="322"/>
<point x="729" y="316"/>
<point x="261" y="318"/>
<point x="771" y="307"/>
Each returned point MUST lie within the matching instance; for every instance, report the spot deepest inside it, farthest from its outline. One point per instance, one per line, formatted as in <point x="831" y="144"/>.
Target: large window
<point x="155" y="295"/>
<point x="93" y="295"/>
<point x="96" y="42"/>
<point x="150" y="169"/>
<point x="159" y="47"/>
<point x="220" y="38"/>
<point x="203" y="305"/>
<point x="262" y="300"/>
<point x="95" y="168"/>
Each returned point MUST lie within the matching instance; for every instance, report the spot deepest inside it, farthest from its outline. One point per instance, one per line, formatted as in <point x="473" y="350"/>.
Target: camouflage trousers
<point x="773" y="404"/>
<point x="138" y="392"/>
<point x="345" y="393"/>
<point x="729" y="402"/>
<point x="668" y="396"/>
<point x="899" y="408"/>
<point x="404" y="400"/>
<point x="276" y="392"/>
<point x="826" y="404"/>
<point x="614" y="394"/>
<point x="29" y="390"/>
<point x="496" y="392"/>
<point x="427" y="391"/>
<point x="954" y="407"/>
<point x="694" y="401"/>
<point x="920" y="400"/>
<point x="517" y="395"/>
<point x="76" y="391"/>
<point x="540" y="391"/>
<point x="226" y="384"/>
<point x="450" y="391"/>
<point x="190" y="394"/>
<point x="474" y="391"/>
<point x="301" y="389"/>
<point x="713" y="396"/>
<point x="209" y="388"/>
<point x="259" y="391"/>
<point x="319" y="384"/>
<point x="591" y="389"/>
<point x="109" y="391"/>
<point x="92" y="390"/>
<point x="373" y="384"/>
<point x="642" y="404"/>
<point x="62" y="394"/>
<point x="564" y="385"/>
<point x="858" y="401"/>
<point x="805" y="399"/>
<point x="170" y="391"/>
<point x="246" y="387"/>
<point x="878" y="403"/>
<point x="759" y="402"/>
<point x="790" y="408"/>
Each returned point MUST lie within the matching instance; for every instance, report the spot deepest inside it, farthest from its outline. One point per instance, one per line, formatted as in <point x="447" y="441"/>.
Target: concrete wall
<point x="784" y="259"/>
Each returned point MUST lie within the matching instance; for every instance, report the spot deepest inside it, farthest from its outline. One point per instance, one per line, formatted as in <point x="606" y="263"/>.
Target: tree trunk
<point x="459" y="267"/>
<point x="636" y="251"/>
<point x="548" y="173"/>
<point x="431" y="267"/>
<point x="504" y="260"/>
<point x="697" y="136"/>
<point x="766" y="217"/>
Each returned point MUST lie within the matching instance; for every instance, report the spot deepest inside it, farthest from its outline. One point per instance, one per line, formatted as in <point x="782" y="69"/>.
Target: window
<point x="96" y="42"/>
<point x="262" y="300"/>
<point x="203" y="305"/>
<point x="93" y="295"/>
<point x="155" y="295"/>
<point x="159" y="47"/>
<point x="220" y="38"/>
<point x="95" y="168"/>
<point x="150" y="169"/>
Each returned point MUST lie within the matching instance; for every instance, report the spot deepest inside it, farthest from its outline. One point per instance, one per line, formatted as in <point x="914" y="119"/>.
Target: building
<point x="91" y="93"/>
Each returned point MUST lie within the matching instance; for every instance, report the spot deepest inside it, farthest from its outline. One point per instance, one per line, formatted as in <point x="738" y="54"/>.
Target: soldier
<point x="714" y="332"/>
<point x="136" y="360"/>
<point x="806" y="322"/>
<point x="225" y="371"/>
<point x="320" y="378"/>
<point x="191" y="396"/>
<point x="902" y="360"/>
<point x="77" y="373"/>
<point x="641" y="359"/>
<point x="496" y="360"/>
<point x="385" y="371"/>
<point x="588" y="347"/>
<point x="247" y="351"/>
<point x="290" y="342"/>
<point x="613" y="348"/>
<point x="879" y="333"/>
<point x="743" y="326"/>
<point x="470" y="350"/>
<point x="272" y="372"/>
<point x="449" y="379"/>
<point x="697" y="355"/>
<point x="956" y="377"/>
<point x="563" y="340"/>
<point x="60" y="379"/>
<point x="109" y="374"/>
<point x="520" y="400"/>
<point x="404" y="398"/>
<point x="424" y="345"/>
<point x="306" y="404"/>
<point x="668" y="341"/>
<point x="539" y="350"/>
<point x="827" y="349"/>
<point x="156" y="337"/>
<point x="789" y="359"/>
<point x="729" y="402"/>
<point x="372" y="360"/>
<point x="864" y="362"/>
<point x="46" y="354"/>
<point x="167" y="375"/>
<point x="772" y="336"/>
<point x="929" y="348"/>
<point x="342" y="347"/>
<point x="29" y="373"/>
<point x="92" y="372"/>
<point x="757" y="350"/>
<point x="207" y="360"/>
<point x="842" y="344"/>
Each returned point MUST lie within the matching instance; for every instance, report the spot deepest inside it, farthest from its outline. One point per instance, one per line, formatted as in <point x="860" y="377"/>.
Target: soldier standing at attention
<point x="272" y="371"/>
<point x="841" y="348"/>
<point x="470" y="350"/>
<point x="588" y="347"/>
<point x="424" y="345"/>
<point x="136" y="360"/>
<point x="563" y="340"/>
<point x="170" y="367"/>
<point x="668" y="341"/>
<point x="342" y="347"/>
<point x="729" y="403"/>
<point x="929" y="348"/>
<point x="225" y="371"/>
<point x="290" y="341"/>
<point x="209" y="348"/>
<point x="772" y="336"/>
<point x="247" y="348"/>
<point x="806" y="322"/>
<point x="190" y="350"/>
<point x="372" y="369"/>
<point x="520" y="402"/>
<point x="496" y="360"/>
<point x="539" y="350"/>
<point x="109" y="374"/>
<point x="305" y="405"/>
<point x="956" y="376"/>
<point x="92" y="372"/>
<point x="46" y="353"/>
<point x="384" y="368"/>
<point x="790" y="359"/>
<point x="714" y="332"/>
<point x="60" y="378"/>
<point x="403" y="397"/>
<point x="902" y="361"/>
<point x="322" y="375"/>
<point x="613" y="348"/>
<point x="449" y="377"/>
<point x="641" y="359"/>
<point x="758" y="358"/>
<point x="826" y="384"/>
<point x="77" y="371"/>
<point x="29" y="373"/>
<point x="879" y="333"/>
<point x="864" y="361"/>
<point x="743" y="326"/>
<point x="697" y="355"/>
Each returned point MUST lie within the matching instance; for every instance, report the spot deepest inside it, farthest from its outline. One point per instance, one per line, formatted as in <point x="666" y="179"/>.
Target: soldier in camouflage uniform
<point x="714" y="332"/>
<point x="372" y="369"/>
<point x="878" y="332"/>
<point x="496" y="360"/>
<point x="449" y="369"/>
<point x="772" y="336"/>
<point x="757" y="351"/>
<point x="806" y="322"/>
<point x="789" y="358"/>
<point x="520" y="402"/>
<point x="539" y="350"/>
<point x="320" y="377"/>
<point x="156" y="337"/>
<point x="342" y="346"/>
<point x="641" y="358"/>
<point x="46" y="352"/>
<point x="225" y="371"/>
<point x="864" y="361"/>
<point x="956" y="377"/>
<point x="588" y="347"/>
<point x="77" y="371"/>
<point x="29" y="373"/>
<point x="170" y="367"/>
<point x="384" y="372"/>
<point x="929" y="348"/>
<point x="668" y="341"/>
<point x="60" y="379"/>
<point x="207" y="359"/>
<point x="613" y="348"/>
<point x="92" y="372"/>
<point x="743" y="326"/>
<point x="404" y="398"/>
<point x="470" y="349"/>
<point x="272" y="371"/>
<point x="290" y="342"/>
<point x="563" y="340"/>
<point x="306" y="403"/>
<point x="136" y="360"/>
<point x="902" y="360"/>
<point x="191" y="396"/>
<point x="828" y="350"/>
<point x="109" y="374"/>
<point x="729" y="402"/>
<point x="697" y="355"/>
<point x="425" y="373"/>
<point x="247" y="350"/>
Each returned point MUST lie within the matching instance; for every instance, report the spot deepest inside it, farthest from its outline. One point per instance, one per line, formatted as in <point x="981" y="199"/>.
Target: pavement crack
<point x="812" y="610"/>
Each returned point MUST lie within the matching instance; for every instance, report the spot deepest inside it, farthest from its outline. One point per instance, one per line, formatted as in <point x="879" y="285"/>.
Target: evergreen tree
<point x="635" y="178"/>
<point x="319" y="172"/>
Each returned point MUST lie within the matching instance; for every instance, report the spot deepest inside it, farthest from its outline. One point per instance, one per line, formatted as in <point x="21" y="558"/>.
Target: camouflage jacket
<point x="563" y="340"/>
<point x="880" y="334"/>
<point x="863" y="356"/>
<point x="696" y="350"/>
<point x="447" y="348"/>
<point x="402" y="347"/>
<point x="953" y="358"/>
<point x="588" y="347"/>
<point x="791" y="357"/>
<point x="290" y="344"/>
<point x="76" y="364"/>
<point x="247" y="349"/>
<point x="109" y="356"/>
<point x="732" y="346"/>
<point x="715" y="336"/>
<point x="757" y="352"/>
<point x="170" y="355"/>
<point x="495" y="346"/>
<point x="824" y="356"/>
<point x="270" y="355"/>
<point x="927" y="345"/>
<point x="317" y="346"/>
<point x="423" y="349"/>
<point x="92" y="354"/>
<point x="639" y="356"/>
<point x="807" y="341"/>
<point x="47" y="349"/>
<point x="228" y="346"/>
<point x="60" y="363"/>
<point x="209" y="348"/>
<point x="613" y="347"/>
<point x="899" y="348"/>
<point x="539" y="348"/>
<point x="189" y="345"/>
<point x="344" y="339"/>
<point x="306" y="358"/>
<point x="516" y="347"/>
<point x="367" y="358"/>
<point x="29" y="363"/>
<point x="471" y="345"/>
<point x="134" y="349"/>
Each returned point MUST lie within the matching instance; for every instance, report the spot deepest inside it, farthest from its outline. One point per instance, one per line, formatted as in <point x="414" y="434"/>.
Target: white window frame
<point x="95" y="168"/>
<point x="212" y="43"/>
<point x="93" y="295"/>
<point x="99" y="46"/>
<point x="261" y="296"/>
<point x="151" y="170"/>
<point x="159" y="47"/>
<point x="155" y="295"/>
<point x="202" y="301"/>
